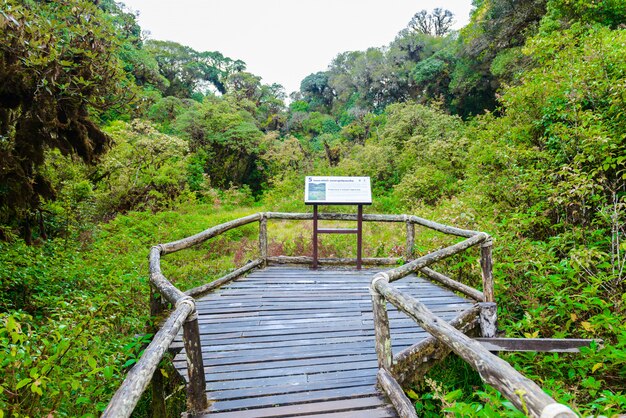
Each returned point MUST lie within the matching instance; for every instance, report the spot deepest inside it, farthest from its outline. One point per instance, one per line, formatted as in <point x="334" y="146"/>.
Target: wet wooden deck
<point x="287" y="341"/>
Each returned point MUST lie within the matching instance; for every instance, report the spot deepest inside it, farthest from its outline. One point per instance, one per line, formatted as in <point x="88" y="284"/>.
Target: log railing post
<point x="488" y="319"/>
<point x="381" y="326"/>
<point x="410" y="240"/>
<point x="263" y="239"/>
<point x="486" y="265"/>
<point x="196" y="389"/>
<point x="158" y="394"/>
<point x="396" y="395"/>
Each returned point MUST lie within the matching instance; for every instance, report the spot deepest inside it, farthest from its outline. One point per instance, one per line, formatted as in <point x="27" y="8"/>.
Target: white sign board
<point x="337" y="190"/>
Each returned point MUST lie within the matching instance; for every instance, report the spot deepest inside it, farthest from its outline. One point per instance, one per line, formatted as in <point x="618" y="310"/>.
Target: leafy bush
<point x="228" y="136"/>
<point x="144" y="170"/>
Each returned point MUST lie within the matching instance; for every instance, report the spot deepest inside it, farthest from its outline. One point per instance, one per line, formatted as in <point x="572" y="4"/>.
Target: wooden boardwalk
<point x="287" y="341"/>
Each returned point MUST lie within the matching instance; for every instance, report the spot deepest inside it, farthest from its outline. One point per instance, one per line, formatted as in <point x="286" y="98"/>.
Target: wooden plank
<point x="216" y="368"/>
<point x="370" y="413"/>
<point x="266" y="383"/>
<point x="298" y="346"/>
<point x="286" y="371"/>
<point x="294" y="353"/>
<point x="293" y="398"/>
<point x="334" y="305"/>
<point x="550" y="345"/>
<point x="290" y="340"/>
<point x="348" y="298"/>
<point x="254" y="393"/>
<point x="299" y="325"/>
<point x="307" y="408"/>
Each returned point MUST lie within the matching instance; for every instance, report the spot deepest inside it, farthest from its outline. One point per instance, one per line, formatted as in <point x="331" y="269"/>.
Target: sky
<point x="283" y="41"/>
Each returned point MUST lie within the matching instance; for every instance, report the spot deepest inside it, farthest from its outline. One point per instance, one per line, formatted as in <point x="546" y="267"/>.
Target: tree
<point x="188" y="71"/>
<point x="59" y="67"/>
<point x="437" y="23"/>
<point x="227" y="139"/>
<point x="316" y="90"/>
<point x="265" y="102"/>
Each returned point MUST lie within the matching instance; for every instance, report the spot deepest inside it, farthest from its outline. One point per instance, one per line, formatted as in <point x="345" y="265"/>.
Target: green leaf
<point x="454" y="395"/>
<point x="108" y="372"/>
<point x="92" y="363"/>
<point x="23" y="383"/>
<point x="11" y="324"/>
<point x="35" y="388"/>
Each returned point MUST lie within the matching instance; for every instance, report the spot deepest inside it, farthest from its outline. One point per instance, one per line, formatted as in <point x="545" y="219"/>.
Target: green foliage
<point x="453" y="389"/>
<point x="611" y="13"/>
<point x="362" y="81"/>
<point x="429" y="69"/>
<point x="567" y="109"/>
<point x="41" y="374"/>
<point x="299" y="106"/>
<point x="317" y="123"/>
<point x="59" y="68"/>
<point x="316" y="91"/>
<point x="55" y="343"/>
<point x="187" y="70"/>
<point x="144" y="170"/>
<point x="229" y="137"/>
<point x="426" y="184"/>
<point x="282" y="157"/>
<point x="72" y="313"/>
<point x="374" y="161"/>
<point x="165" y="111"/>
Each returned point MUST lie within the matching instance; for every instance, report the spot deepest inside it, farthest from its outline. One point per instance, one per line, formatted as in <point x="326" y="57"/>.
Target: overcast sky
<point x="283" y="41"/>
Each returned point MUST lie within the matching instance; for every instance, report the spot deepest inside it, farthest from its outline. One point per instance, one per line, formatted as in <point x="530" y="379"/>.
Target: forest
<point x="111" y="143"/>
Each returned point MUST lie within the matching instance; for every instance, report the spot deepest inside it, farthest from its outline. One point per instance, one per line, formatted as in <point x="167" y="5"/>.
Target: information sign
<point x="320" y="190"/>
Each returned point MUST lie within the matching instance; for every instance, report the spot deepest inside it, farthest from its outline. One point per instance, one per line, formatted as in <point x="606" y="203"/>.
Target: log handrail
<point x="477" y="295"/>
<point x="198" y="238"/>
<point x="430" y="258"/>
<point x="525" y="394"/>
<point x="127" y="395"/>
<point x="446" y="229"/>
<point x="184" y="315"/>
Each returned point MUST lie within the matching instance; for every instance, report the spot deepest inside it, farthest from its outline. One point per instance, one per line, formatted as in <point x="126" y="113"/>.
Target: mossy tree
<point x="58" y="70"/>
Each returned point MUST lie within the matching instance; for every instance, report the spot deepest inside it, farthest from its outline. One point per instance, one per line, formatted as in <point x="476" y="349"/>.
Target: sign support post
<point x="314" y="266"/>
<point x="359" y="237"/>
<point x="338" y="191"/>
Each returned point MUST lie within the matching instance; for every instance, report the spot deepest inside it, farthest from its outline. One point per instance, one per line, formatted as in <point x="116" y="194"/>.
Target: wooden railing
<point x="393" y="369"/>
<point x="183" y="316"/>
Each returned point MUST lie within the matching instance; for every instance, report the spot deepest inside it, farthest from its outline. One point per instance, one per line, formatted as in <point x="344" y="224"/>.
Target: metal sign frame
<point x="364" y="182"/>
